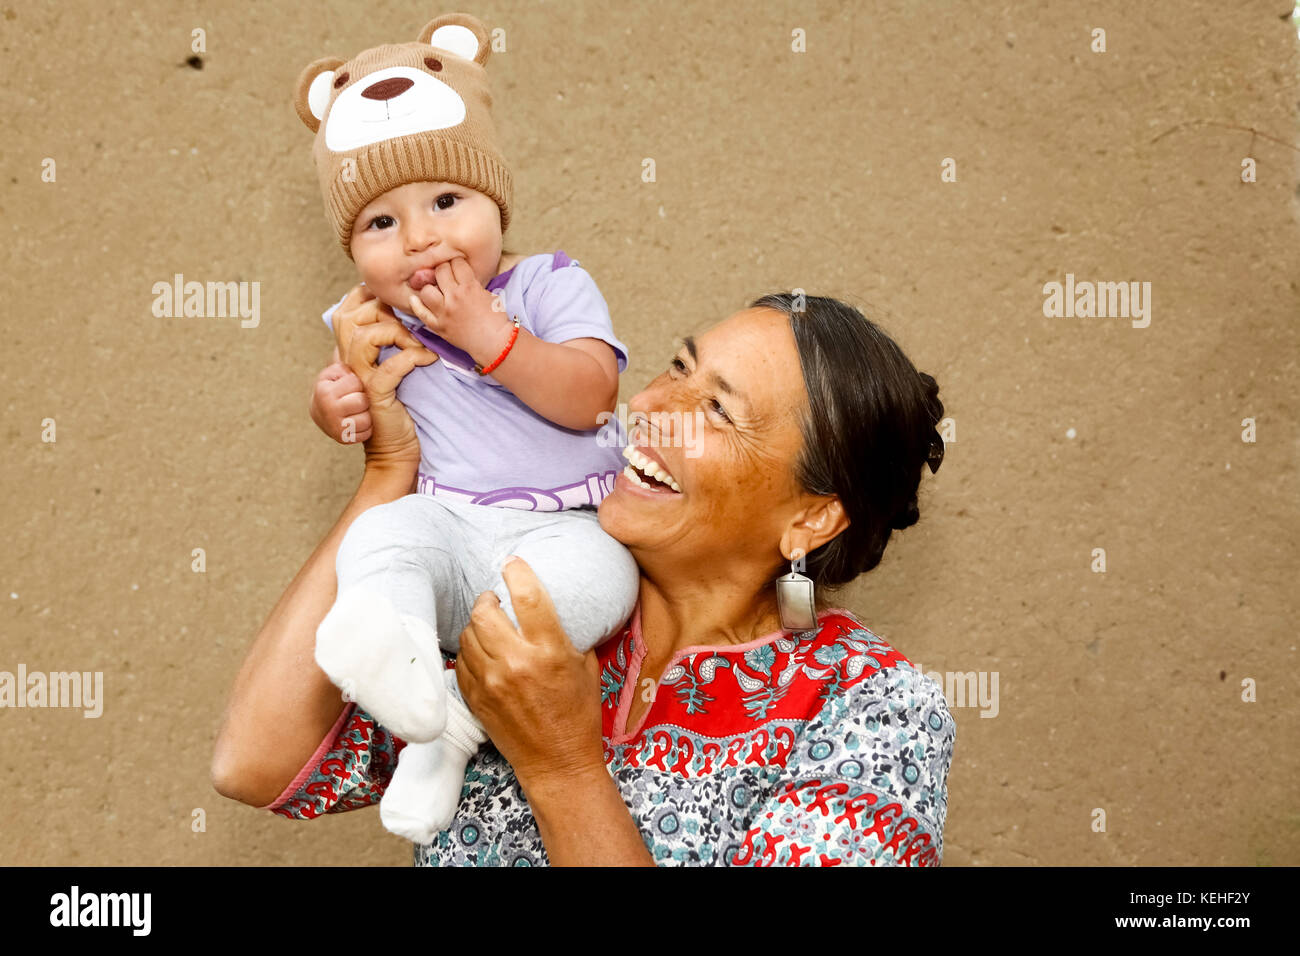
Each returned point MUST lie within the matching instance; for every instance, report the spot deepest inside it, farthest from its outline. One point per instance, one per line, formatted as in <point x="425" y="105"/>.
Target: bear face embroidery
<point x="388" y="103"/>
<point x="395" y="90"/>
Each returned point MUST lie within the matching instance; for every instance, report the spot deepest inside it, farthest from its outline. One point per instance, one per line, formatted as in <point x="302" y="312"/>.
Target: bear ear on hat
<point x="311" y="95"/>
<point x="459" y="33"/>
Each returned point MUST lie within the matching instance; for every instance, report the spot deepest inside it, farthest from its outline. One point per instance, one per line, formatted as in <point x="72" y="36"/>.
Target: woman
<point x="702" y="732"/>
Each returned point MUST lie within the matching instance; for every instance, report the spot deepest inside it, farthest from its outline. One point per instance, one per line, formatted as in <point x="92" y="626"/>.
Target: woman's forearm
<point x="583" y="821"/>
<point x="282" y="704"/>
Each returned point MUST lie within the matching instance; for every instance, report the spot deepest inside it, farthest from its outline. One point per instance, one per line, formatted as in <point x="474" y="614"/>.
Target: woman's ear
<point x="822" y="519"/>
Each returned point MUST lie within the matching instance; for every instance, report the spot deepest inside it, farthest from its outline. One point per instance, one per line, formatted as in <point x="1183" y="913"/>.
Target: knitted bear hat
<point x="404" y="113"/>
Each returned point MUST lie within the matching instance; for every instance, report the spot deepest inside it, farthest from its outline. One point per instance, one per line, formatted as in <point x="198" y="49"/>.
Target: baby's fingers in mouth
<point x="420" y="278"/>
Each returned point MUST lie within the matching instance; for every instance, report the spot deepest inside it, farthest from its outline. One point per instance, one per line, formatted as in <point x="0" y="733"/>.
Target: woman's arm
<point x="584" y="822"/>
<point x="282" y="705"/>
<point x="538" y="698"/>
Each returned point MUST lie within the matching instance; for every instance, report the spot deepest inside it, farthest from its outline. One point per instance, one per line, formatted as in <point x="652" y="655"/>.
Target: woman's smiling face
<point x="741" y="387"/>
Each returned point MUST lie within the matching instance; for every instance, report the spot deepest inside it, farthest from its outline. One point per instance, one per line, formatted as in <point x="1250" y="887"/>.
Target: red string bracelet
<point x="504" y="352"/>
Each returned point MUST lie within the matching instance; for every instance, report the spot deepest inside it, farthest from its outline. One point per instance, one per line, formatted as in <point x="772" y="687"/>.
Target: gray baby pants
<point x="433" y="556"/>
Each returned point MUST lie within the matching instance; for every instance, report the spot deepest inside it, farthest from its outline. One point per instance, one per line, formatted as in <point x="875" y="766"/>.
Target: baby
<point x="511" y="459"/>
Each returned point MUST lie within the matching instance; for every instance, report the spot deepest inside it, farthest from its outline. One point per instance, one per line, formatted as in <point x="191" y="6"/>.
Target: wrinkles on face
<point x="736" y="489"/>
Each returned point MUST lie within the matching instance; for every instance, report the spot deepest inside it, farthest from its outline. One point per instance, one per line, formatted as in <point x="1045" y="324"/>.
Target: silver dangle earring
<point x="794" y="596"/>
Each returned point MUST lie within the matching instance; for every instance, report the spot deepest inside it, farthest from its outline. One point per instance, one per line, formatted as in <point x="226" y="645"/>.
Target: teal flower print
<point x="761" y="658"/>
<point x="830" y="655"/>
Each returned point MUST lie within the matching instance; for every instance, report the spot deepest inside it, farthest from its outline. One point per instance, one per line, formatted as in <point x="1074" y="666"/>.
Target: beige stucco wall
<point x="820" y="170"/>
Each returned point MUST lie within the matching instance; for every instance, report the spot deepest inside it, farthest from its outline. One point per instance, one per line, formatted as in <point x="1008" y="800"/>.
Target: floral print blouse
<point x="819" y="748"/>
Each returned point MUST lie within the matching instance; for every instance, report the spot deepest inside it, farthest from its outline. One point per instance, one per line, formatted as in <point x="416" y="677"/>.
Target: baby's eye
<point x="380" y="222"/>
<point x="441" y="205"/>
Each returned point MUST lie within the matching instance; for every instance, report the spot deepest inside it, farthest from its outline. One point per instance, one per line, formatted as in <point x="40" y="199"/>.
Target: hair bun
<point x="909" y="516"/>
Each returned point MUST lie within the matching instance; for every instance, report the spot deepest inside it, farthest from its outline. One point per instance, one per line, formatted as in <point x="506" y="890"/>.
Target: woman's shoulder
<point x="840" y="636"/>
<point x="865" y="778"/>
<point x="855" y="651"/>
<point x="890" y="727"/>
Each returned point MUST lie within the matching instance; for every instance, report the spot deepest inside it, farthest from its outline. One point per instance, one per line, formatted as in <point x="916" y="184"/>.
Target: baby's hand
<point x="339" y="405"/>
<point x="459" y="309"/>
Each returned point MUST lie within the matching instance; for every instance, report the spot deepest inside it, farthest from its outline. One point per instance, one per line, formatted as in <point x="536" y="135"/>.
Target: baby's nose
<point x="387" y="89"/>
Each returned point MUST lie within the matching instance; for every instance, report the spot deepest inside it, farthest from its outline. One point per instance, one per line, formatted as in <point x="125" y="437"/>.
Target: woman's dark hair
<point x="869" y="427"/>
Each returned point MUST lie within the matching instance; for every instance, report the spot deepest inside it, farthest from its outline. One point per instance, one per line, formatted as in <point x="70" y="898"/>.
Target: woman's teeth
<point x="651" y="469"/>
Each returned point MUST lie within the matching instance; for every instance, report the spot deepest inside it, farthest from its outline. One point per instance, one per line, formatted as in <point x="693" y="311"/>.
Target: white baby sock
<point x="389" y="663"/>
<point x="406" y="807"/>
<point x="421" y="799"/>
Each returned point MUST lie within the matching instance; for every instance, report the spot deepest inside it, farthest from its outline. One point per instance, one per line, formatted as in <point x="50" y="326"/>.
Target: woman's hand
<point x="538" y="698"/>
<point x="362" y="326"/>
<point x="536" y="695"/>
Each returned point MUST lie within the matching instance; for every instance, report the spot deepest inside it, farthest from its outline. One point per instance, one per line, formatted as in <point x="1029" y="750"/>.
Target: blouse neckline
<point x="639" y="651"/>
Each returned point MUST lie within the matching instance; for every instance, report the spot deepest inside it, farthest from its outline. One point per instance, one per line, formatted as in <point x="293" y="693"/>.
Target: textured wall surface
<point x="1119" y="690"/>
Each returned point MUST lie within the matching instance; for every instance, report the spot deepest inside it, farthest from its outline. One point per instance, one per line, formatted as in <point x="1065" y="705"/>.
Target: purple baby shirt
<point x="481" y="444"/>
